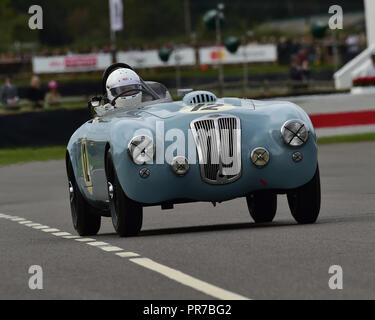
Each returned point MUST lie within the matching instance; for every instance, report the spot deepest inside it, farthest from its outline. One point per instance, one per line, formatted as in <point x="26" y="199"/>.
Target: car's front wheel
<point x="304" y="202"/>
<point x="262" y="206"/>
<point x="86" y="219"/>
<point x="127" y="215"/>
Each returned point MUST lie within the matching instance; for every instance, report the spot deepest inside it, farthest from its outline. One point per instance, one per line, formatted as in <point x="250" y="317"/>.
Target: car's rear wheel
<point x="262" y="206"/>
<point x="304" y="202"/>
<point x="127" y="215"/>
<point x="86" y="219"/>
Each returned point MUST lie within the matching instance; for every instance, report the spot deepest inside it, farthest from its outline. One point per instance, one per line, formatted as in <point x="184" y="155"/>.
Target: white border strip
<point x="187" y="280"/>
<point x="341" y="131"/>
<point x="172" y="274"/>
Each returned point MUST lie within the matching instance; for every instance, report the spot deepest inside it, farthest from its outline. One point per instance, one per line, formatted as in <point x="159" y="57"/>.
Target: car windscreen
<point x="152" y="88"/>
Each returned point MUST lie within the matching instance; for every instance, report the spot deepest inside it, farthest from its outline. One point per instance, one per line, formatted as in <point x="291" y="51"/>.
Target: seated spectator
<point x="299" y="73"/>
<point x="9" y="95"/>
<point x="36" y="94"/>
<point x="295" y="69"/>
<point x="306" y="71"/>
<point x="53" y="96"/>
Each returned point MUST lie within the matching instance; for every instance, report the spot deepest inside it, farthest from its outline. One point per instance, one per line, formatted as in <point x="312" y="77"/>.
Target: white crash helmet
<point x="124" y="80"/>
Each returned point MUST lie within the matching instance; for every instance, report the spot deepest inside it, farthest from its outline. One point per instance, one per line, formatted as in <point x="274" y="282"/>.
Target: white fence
<point x="344" y="77"/>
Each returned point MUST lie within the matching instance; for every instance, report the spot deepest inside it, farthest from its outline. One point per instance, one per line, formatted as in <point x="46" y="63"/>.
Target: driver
<point x="125" y="85"/>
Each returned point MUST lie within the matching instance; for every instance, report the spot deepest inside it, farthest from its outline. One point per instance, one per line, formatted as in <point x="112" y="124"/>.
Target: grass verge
<point x="363" y="137"/>
<point x="23" y="155"/>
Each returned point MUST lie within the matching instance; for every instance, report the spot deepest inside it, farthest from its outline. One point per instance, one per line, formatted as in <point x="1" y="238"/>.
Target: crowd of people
<point x="37" y="96"/>
<point x="348" y="45"/>
<point x="300" y="53"/>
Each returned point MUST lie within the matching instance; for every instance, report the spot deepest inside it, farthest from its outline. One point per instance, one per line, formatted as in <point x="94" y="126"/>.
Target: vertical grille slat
<point x="217" y="139"/>
<point x="200" y="97"/>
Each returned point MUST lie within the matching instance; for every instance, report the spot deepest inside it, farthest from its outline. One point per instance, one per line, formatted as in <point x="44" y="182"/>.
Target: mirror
<point x="92" y="104"/>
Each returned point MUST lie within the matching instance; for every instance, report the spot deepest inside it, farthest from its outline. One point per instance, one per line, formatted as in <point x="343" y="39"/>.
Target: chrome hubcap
<point x="111" y="191"/>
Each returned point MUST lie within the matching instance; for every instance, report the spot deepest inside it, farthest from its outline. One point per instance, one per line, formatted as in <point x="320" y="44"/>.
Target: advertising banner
<point x="150" y="58"/>
<point x="250" y="53"/>
<point x="75" y="63"/>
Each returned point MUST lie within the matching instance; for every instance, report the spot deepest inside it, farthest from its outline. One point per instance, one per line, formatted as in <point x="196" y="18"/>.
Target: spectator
<point x="295" y="69"/>
<point x="305" y="69"/>
<point x="352" y="47"/>
<point x="36" y="95"/>
<point x="300" y="73"/>
<point x="9" y="95"/>
<point x="53" y="96"/>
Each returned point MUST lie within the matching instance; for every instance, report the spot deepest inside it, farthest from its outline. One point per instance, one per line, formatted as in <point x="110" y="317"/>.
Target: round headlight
<point x="141" y="150"/>
<point x="260" y="157"/>
<point x="295" y="133"/>
<point x="180" y="166"/>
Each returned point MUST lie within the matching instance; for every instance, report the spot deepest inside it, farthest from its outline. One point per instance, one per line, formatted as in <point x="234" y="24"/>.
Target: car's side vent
<point x="197" y="97"/>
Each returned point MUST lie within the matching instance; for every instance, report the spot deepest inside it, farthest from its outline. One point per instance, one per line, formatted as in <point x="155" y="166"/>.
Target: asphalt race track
<point x="195" y="251"/>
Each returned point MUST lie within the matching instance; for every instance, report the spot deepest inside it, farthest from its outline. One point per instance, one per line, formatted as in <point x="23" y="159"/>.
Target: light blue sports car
<point x="202" y="148"/>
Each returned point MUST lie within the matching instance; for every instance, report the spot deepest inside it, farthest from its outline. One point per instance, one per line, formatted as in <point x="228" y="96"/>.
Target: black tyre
<point x="86" y="219"/>
<point x="304" y="202"/>
<point x="127" y="215"/>
<point x="262" y="206"/>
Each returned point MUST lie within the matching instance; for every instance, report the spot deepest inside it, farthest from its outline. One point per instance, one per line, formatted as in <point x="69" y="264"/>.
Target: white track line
<point x="111" y="249"/>
<point x="50" y="230"/>
<point x="41" y="227"/>
<point x="187" y="280"/>
<point x="84" y="239"/>
<point x="71" y="237"/>
<point x="60" y="234"/>
<point x="127" y="254"/>
<point x="32" y="224"/>
<point x="172" y="274"/>
<point x="97" y="244"/>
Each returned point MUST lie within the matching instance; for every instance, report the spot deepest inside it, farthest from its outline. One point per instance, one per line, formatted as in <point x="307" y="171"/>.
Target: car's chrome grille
<point x="218" y="140"/>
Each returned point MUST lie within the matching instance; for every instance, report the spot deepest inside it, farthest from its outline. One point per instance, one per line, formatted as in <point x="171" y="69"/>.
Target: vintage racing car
<point x="161" y="152"/>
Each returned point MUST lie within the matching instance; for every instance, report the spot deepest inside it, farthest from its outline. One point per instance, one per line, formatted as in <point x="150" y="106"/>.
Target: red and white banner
<point x="75" y="63"/>
<point x="339" y="114"/>
<point x="344" y="123"/>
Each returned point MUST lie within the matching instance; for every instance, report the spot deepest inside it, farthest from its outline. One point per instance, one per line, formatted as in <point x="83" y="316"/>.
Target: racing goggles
<point x="130" y="90"/>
